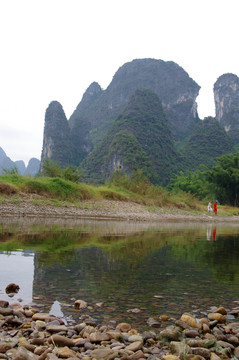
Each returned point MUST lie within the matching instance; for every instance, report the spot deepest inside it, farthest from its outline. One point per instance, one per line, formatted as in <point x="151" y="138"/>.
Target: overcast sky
<point x="54" y="49"/>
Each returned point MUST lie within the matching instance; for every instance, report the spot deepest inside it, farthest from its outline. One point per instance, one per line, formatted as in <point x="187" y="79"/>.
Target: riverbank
<point x="26" y="206"/>
<point x="27" y="334"/>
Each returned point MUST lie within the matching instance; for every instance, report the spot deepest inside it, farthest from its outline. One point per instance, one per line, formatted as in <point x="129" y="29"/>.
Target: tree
<point x="11" y="171"/>
<point x="52" y="168"/>
<point x="191" y="182"/>
<point x="224" y="176"/>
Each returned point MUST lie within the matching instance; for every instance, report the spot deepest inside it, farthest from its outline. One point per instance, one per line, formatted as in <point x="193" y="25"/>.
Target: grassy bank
<point x="60" y="192"/>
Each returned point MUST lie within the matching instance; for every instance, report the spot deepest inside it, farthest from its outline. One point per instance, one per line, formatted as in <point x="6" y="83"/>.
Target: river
<point x="124" y="270"/>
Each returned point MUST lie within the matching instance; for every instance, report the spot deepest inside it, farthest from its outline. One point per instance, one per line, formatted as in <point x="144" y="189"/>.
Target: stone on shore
<point x="45" y="337"/>
<point x="80" y="304"/>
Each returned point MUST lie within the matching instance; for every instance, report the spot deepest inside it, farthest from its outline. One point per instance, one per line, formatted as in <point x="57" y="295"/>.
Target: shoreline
<point x="108" y="210"/>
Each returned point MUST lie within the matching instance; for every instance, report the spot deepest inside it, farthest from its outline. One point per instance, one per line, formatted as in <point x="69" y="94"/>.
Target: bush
<point x="51" y="168"/>
<point x="7" y="189"/>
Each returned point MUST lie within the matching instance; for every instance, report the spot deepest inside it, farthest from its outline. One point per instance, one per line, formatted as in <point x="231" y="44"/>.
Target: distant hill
<point x="32" y="168"/>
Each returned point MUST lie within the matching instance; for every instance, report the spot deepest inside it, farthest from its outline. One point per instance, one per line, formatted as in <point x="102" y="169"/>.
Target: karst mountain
<point x="145" y="119"/>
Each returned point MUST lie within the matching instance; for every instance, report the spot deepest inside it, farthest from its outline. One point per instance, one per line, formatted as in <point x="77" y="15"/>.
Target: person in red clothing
<point x="215" y="207"/>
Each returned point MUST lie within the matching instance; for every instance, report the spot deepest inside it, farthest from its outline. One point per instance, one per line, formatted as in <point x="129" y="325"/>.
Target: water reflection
<point x="211" y="233"/>
<point x="160" y="269"/>
<point x="17" y="267"/>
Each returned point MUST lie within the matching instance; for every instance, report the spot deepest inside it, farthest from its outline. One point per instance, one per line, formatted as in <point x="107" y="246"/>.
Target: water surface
<point x="137" y="270"/>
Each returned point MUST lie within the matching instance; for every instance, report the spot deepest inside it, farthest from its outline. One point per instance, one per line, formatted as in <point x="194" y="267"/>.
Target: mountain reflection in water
<point x="136" y="270"/>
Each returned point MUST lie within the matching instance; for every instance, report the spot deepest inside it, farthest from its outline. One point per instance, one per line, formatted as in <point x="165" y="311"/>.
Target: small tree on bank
<point x="52" y="168"/>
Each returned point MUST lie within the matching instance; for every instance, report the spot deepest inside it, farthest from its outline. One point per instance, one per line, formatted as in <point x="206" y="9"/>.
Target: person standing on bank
<point x="209" y="207"/>
<point x="215" y="207"/>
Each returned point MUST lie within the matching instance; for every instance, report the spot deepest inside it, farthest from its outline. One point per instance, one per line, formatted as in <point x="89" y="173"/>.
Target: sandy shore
<point x="107" y="210"/>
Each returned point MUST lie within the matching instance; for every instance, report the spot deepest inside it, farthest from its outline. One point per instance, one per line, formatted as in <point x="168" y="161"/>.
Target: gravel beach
<point x="107" y="210"/>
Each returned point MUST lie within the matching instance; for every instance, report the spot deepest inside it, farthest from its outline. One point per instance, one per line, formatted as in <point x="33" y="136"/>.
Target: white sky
<point x="54" y="49"/>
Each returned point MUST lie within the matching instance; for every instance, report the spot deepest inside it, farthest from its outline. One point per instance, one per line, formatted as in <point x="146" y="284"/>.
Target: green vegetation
<point x="57" y="191"/>
<point x="186" y="191"/>
<point x="139" y="138"/>
<point x="11" y="171"/>
<point x="208" y="141"/>
<point x="52" y="168"/>
<point x="221" y="182"/>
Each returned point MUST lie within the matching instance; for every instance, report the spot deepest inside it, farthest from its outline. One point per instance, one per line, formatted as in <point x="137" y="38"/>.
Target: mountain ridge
<point x="32" y="168"/>
<point x="98" y="111"/>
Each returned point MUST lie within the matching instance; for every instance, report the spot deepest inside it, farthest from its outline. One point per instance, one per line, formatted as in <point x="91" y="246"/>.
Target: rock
<point x="87" y="331"/>
<point x="153" y="322"/>
<point x="4" y="347"/>
<point x="171" y="357"/>
<point x="56" y="328"/>
<point x="60" y="340"/>
<point x="6" y="311"/>
<point x="221" y="310"/>
<point x="134" y="346"/>
<point x="134" y="311"/>
<point x="134" y="338"/>
<point x="225" y="344"/>
<point x="217" y="316"/>
<point x="21" y="353"/>
<point x="80" y="304"/>
<point x="39" y="350"/>
<point x="182" y="324"/>
<point x="100" y="304"/>
<point x="191" y="333"/>
<point x="148" y="335"/>
<point x="236" y="352"/>
<point x="168" y="335"/>
<point x="123" y="327"/>
<point x="40" y="316"/>
<point x="51" y="357"/>
<point x="137" y="355"/>
<point x="226" y="95"/>
<point x="201" y="351"/>
<point x="4" y="303"/>
<point x="80" y="327"/>
<point x="179" y="348"/>
<point x="65" y="352"/>
<point x="214" y="356"/>
<point x="12" y="288"/>
<point x="114" y="334"/>
<point x="45" y="354"/>
<point x="40" y="324"/>
<point x="103" y="354"/>
<point x="194" y="357"/>
<point x="98" y="336"/>
<point x="189" y="319"/>
<point x="89" y="346"/>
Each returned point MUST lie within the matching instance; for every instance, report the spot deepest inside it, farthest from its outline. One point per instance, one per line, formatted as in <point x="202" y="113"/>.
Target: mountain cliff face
<point x="226" y="95"/>
<point x="176" y="90"/>
<point x="140" y="138"/>
<point x="56" y="138"/>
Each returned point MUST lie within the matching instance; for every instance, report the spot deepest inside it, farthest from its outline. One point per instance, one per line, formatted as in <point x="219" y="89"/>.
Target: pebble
<point x="42" y="336"/>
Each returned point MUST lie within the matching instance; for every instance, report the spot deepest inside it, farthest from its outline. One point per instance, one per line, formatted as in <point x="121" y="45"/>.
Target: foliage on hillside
<point x="207" y="142"/>
<point x="139" y="139"/>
